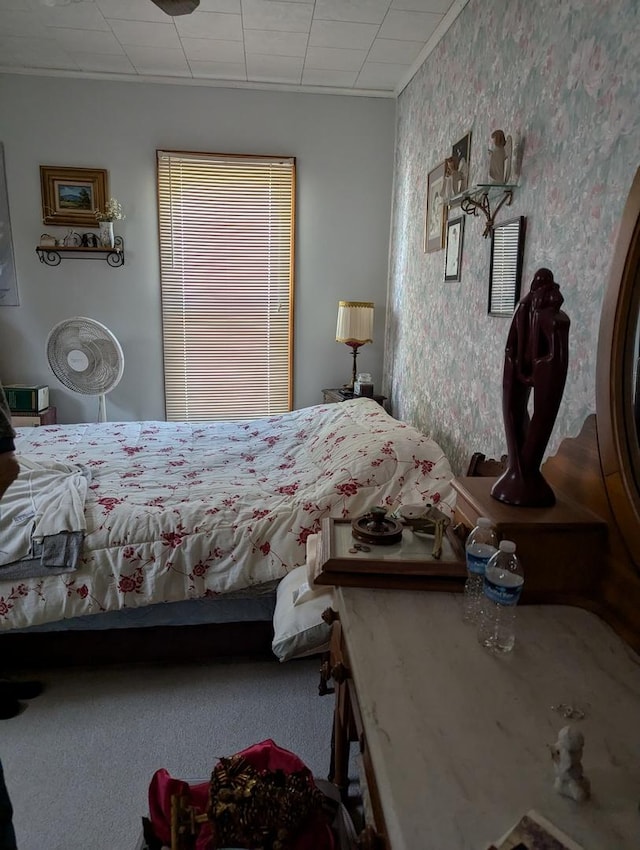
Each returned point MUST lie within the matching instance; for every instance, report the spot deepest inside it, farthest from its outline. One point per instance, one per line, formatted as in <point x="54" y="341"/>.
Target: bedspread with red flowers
<point x="180" y="510"/>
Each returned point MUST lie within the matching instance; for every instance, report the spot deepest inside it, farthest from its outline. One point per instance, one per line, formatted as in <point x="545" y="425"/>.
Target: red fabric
<point x="264" y="756"/>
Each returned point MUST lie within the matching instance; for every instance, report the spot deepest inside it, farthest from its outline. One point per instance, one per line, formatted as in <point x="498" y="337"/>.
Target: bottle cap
<point x="484" y="521"/>
<point x="507" y="546"/>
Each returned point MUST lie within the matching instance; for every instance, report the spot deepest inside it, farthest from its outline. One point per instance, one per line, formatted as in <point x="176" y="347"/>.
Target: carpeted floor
<point x="79" y="759"/>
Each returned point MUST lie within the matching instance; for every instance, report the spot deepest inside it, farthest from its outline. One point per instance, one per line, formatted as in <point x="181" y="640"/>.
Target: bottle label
<point x="478" y="558"/>
<point x="503" y="594"/>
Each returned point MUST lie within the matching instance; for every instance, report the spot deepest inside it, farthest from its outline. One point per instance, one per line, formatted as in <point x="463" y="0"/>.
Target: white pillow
<point x="299" y="629"/>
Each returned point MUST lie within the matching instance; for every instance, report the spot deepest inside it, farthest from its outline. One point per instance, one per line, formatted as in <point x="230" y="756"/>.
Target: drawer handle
<point x="340" y="673"/>
<point x="369" y="839"/>
<point x="325" y="675"/>
<point x="330" y="616"/>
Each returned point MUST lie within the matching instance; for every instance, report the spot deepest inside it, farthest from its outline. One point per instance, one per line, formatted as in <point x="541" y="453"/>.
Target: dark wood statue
<point x="536" y="358"/>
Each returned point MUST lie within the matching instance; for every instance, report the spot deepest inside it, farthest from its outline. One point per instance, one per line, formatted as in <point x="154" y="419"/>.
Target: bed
<point x="189" y="524"/>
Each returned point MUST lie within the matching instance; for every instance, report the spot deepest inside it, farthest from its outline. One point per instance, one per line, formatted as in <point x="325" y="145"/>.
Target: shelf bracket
<point x="480" y="202"/>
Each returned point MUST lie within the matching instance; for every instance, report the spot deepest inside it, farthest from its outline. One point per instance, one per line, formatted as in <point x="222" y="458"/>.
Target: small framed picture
<point x="453" y="256"/>
<point x="71" y="195"/>
<point x="461" y="152"/>
<point x="436" y="215"/>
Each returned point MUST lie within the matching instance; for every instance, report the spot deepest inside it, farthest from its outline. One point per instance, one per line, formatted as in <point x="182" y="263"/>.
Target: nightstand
<point x="337" y="394"/>
<point x="31" y="420"/>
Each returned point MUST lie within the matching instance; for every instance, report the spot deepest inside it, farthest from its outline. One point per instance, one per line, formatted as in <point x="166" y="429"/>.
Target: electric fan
<point x="86" y="357"/>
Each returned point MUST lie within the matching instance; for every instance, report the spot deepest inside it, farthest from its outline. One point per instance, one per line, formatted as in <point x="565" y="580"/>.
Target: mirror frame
<point x="618" y="443"/>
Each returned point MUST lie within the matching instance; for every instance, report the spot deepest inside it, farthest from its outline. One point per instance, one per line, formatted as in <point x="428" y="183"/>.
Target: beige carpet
<point x="79" y="759"/>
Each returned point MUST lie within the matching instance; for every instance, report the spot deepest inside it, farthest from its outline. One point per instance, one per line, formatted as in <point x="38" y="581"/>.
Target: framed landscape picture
<point x="70" y="195"/>
<point x="436" y="214"/>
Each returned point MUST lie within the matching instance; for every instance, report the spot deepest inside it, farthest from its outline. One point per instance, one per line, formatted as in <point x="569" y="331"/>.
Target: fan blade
<point x="177" y="7"/>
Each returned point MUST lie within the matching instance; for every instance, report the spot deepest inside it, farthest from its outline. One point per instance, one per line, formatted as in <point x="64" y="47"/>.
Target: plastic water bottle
<point x="481" y="544"/>
<point x="503" y="580"/>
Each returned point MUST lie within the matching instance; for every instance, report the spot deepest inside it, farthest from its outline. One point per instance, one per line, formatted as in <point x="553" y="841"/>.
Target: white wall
<point x="344" y="150"/>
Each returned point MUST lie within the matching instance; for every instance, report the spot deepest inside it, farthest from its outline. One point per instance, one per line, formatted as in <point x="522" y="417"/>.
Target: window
<point x="226" y="264"/>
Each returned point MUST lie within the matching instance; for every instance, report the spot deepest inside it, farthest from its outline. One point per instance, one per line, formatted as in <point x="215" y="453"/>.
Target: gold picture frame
<point x="70" y="196"/>
<point x="436" y="215"/>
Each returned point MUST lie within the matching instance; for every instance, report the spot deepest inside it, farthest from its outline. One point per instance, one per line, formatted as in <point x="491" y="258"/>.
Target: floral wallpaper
<point x="565" y="75"/>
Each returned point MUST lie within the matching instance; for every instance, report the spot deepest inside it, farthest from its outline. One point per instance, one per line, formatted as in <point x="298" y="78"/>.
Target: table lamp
<point x="355" y="328"/>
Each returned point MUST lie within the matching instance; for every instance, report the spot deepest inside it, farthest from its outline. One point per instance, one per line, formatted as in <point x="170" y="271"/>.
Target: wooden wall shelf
<point x="52" y="255"/>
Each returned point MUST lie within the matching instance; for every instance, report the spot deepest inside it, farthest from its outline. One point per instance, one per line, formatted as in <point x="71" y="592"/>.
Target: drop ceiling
<point x="359" y="47"/>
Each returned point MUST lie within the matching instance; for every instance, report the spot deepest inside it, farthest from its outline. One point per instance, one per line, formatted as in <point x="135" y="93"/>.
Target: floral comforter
<point x="185" y="510"/>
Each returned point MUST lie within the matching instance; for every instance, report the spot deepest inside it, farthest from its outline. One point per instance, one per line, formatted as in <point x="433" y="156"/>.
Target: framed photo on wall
<point x="461" y="150"/>
<point x="436" y="214"/>
<point x="453" y="256"/>
<point x="70" y="195"/>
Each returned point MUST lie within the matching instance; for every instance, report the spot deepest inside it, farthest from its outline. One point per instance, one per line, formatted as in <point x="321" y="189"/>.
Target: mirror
<point x="617" y="390"/>
<point x="505" y="272"/>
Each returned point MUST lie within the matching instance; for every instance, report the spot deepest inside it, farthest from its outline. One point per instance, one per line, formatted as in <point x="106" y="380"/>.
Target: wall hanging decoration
<point x="436" y="210"/>
<point x="457" y="168"/>
<point x="505" y="271"/>
<point x="70" y="196"/>
<point x="453" y="257"/>
<point x="8" y="280"/>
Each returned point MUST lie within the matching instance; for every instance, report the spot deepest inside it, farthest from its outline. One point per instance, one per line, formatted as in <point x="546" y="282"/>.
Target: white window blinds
<point x="226" y="260"/>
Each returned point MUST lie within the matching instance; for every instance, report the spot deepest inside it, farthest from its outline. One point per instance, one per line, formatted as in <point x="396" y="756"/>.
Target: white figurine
<point x="501" y="157"/>
<point x="566" y="753"/>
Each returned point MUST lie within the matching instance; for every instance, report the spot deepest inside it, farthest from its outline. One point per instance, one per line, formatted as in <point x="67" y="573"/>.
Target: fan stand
<point x="102" y="408"/>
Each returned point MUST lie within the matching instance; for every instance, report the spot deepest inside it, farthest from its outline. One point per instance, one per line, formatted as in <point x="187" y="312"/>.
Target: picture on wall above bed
<point x="70" y="196"/>
<point x="436" y="210"/>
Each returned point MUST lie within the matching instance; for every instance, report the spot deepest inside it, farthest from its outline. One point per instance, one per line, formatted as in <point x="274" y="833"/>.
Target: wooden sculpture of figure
<point x="566" y="753"/>
<point x="536" y="358"/>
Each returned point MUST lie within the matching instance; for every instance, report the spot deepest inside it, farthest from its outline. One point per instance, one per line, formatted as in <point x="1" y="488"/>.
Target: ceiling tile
<point x="81" y="16"/>
<point x="146" y="34"/>
<point x="212" y="50"/>
<point x="358" y="11"/>
<point x="210" y="25"/>
<point x="393" y="50"/>
<point x="219" y="70"/>
<point x="160" y="61"/>
<point x="276" y="15"/>
<point x="20" y="22"/>
<point x="232" y="7"/>
<point x="409" y="26"/>
<point x="335" y="58"/>
<point x="379" y="75"/>
<point x="276" y="69"/>
<point x="40" y="53"/>
<point x="87" y="41"/>
<point x="101" y="63"/>
<point x="437" y="6"/>
<point x="330" y="34"/>
<point x="273" y="43"/>
<point x="131" y="10"/>
<point x="335" y="79"/>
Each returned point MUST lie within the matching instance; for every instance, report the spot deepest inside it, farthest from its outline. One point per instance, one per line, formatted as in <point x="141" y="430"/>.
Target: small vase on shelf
<point x="106" y="234"/>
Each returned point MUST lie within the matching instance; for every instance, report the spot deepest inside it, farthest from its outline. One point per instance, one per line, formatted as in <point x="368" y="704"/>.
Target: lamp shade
<point x="355" y="322"/>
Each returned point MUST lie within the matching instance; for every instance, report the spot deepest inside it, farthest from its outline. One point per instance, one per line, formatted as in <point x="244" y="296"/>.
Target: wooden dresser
<point x="455" y="740"/>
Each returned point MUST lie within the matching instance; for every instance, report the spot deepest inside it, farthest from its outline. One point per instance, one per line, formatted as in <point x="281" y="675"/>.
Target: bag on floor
<point x="262" y="797"/>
